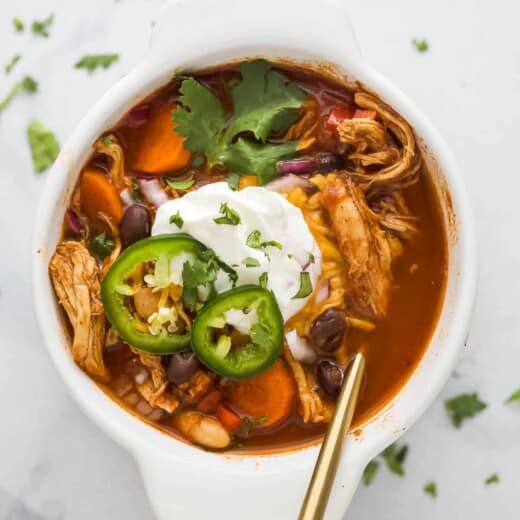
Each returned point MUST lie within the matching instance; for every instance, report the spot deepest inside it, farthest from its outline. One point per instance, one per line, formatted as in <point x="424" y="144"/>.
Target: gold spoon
<point x="318" y="492"/>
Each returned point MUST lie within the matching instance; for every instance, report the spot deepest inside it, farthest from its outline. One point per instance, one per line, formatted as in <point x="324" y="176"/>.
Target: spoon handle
<point x="320" y="485"/>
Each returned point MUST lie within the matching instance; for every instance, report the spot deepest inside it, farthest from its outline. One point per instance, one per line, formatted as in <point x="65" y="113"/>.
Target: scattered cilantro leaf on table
<point x="370" y="472"/>
<point x="515" y="396"/>
<point x="41" y="27"/>
<point x="14" y="60"/>
<point x="18" y="24"/>
<point x="431" y="489"/>
<point x="463" y="407"/>
<point x="93" y="61"/>
<point x="492" y="479"/>
<point x="28" y="84"/>
<point x="394" y="457"/>
<point x="420" y="45"/>
<point x="44" y="145"/>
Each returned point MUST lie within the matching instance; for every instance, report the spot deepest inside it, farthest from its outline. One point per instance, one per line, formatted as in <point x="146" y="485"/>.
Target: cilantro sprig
<point x="12" y="62"/>
<point x="264" y="101"/>
<point x="27" y="84"/>
<point x="463" y="407"/>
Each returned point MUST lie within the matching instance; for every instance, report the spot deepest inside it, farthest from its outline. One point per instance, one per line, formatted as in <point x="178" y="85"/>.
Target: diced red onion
<point x="153" y="192"/>
<point x="323" y="292"/>
<point x="300" y="348"/>
<point x="139" y="115"/>
<point x="296" y="166"/>
<point x="73" y="222"/>
<point x="126" y="197"/>
<point x="287" y="183"/>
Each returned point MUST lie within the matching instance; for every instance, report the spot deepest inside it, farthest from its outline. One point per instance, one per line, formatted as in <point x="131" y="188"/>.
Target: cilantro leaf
<point x="312" y="258"/>
<point x="181" y="184"/>
<point x="431" y="489"/>
<point x="229" y="216"/>
<point x="177" y="220"/>
<point x="14" y="60"/>
<point x="370" y="472"/>
<point x="249" y="261"/>
<point x="203" y="271"/>
<point x="203" y="122"/>
<point x="28" y="84"/>
<point x="233" y="181"/>
<point x="264" y="101"/>
<point x="254" y="241"/>
<point x="420" y="45"/>
<point x="260" y="336"/>
<point x="41" y="27"/>
<point x="463" y="407"/>
<point x="305" y="286"/>
<point x="492" y="479"/>
<point x="262" y="280"/>
<point x="101" y="246"/>
<point x="515" y="396"/>
<point x="394" y="457"/>
<point x="92" y="61"/>
<point x="18" y="24"/>
<point x="44" y="145"/>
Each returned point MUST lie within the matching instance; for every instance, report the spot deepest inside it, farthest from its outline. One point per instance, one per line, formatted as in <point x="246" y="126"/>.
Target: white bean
<point x="203" y="430"/>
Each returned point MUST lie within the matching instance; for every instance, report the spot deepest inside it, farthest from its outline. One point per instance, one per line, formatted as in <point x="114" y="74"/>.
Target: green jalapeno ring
<point x="146" y="250"/>
<point x="251" y="359"/>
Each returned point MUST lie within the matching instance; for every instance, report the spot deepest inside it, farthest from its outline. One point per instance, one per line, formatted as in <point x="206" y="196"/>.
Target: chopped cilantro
<point x="463" y="407"/>
<point x="136" y="191"/>
<point x="229" y="216"/>
<point x="92" y="61"/>
<point x="312" y="259"/>
<point x="431" y="489"/>
<point x="420" y="45"/>
<point x="249" y="261"/>
<point x="181" y="184"/>
<point x="394" y="457"/>
<point x="41" y="27"/>
<point x="492" y="479"/>
<point x="233" y="181"/>
<point x="198" y="160"/>
<point x="44" y="145"/>
<point x="515" y="396"/>
<point x="203" y="271"/>
<point x="262" y="280"/>
<point x="28" y="84"/>
<point x="254" y="240"/>
<point x="177" y="220"/>
<point x="260" y="336"/>
<point x="107" y="140"/>
<point x="18" y="24"/>
<point x="253" y="422"/>
<point x="14" y="60"/>
<point x="305" y="286"/>
<point x="370" y="472"/>
<point x="101" y="246"/>
<point x="264" y="102"/>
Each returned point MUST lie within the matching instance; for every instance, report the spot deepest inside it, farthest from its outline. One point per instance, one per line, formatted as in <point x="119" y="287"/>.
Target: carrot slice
<point x="99" y="196"/>
<point x="154" y="147"/>
<point x="270" y="394"/>
<point x="229" y="419"/>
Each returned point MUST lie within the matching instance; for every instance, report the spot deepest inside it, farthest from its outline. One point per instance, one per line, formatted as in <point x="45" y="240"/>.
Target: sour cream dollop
<point x="260" y="211"/>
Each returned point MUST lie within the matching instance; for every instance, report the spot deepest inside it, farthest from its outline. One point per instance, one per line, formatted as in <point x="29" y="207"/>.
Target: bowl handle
<point x="300" y="29"/>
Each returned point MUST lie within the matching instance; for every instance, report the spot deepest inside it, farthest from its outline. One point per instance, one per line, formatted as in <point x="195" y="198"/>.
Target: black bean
<point x="328" y="162"/>
<point x="135" y="224"/>
<point x="329" y="377"/>
<point x="328" y="330"/>
<point x="181" y="367"/>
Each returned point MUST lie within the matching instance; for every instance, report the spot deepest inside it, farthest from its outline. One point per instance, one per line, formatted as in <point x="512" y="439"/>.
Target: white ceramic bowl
<point x="183" y="481"/>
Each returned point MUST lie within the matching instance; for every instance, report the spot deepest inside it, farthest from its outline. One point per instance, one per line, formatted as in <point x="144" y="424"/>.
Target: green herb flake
<point x="198" y="161"/>
<point x="44" y="146"/>
<point x="305" y="286"/>
<point x="18" y="24"/>
<point x="136" y="191"/>
<point x="93" y="61"/>
<point x="463" y="407"/>
<point x="202" y="272"/>
<point x="101" y="246"/>
<point x="181" y="184"/>
<point x="177" y="220"/>
<point x="312" y="259"/>
<point x="254" y="422"/>
<point x="254" y="240"/>
<point x="107" y="140"/>
<point x="394" y="457"/>
<point x="264" y="102"/>
<point x="249" y="261"/>
<point x="370" y="472"/>
<point x="515" y="396"/>
<point x="492" y="479"/>
<point x="27" y="84"/>
<point x="14" y="60"/>
<point x="233" y="181"/>
<point x="260" y="336"/>
<point x="41" y="27"/>
<point x="420" y="45"/>
<point x="262" y="280"/>
<point x="229" y="216"/>
<point x="431" y="489"/>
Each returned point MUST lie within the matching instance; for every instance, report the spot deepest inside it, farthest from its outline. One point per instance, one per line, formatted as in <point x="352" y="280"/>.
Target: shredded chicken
<point x="303" y="129"/>
<point x="75" y="276"/>
<point x="109" y="145"/>
<point x="196" y="386"/>
<point x="313" y="408"/>
<point x="153" y="389"/>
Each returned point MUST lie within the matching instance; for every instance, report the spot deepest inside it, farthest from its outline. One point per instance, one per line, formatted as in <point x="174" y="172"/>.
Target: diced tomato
<point x="365" y="114"/>
<point x="229" y="419"/>
<point x="210" y="402"/>
<point x="337" y="115"/>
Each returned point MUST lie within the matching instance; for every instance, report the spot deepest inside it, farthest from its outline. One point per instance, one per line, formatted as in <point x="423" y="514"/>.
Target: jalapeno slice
<point x="239" y="334"/>
<point x="117" y="288"/>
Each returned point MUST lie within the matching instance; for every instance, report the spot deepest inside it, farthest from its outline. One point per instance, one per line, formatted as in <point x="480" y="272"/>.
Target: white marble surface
<point x="55" y="464"/>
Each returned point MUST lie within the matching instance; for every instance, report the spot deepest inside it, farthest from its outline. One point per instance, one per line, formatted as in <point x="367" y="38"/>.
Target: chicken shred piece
<point x="196" y="386"/>
<point x="109" y="145"/>
<point x="75" y="277"/>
